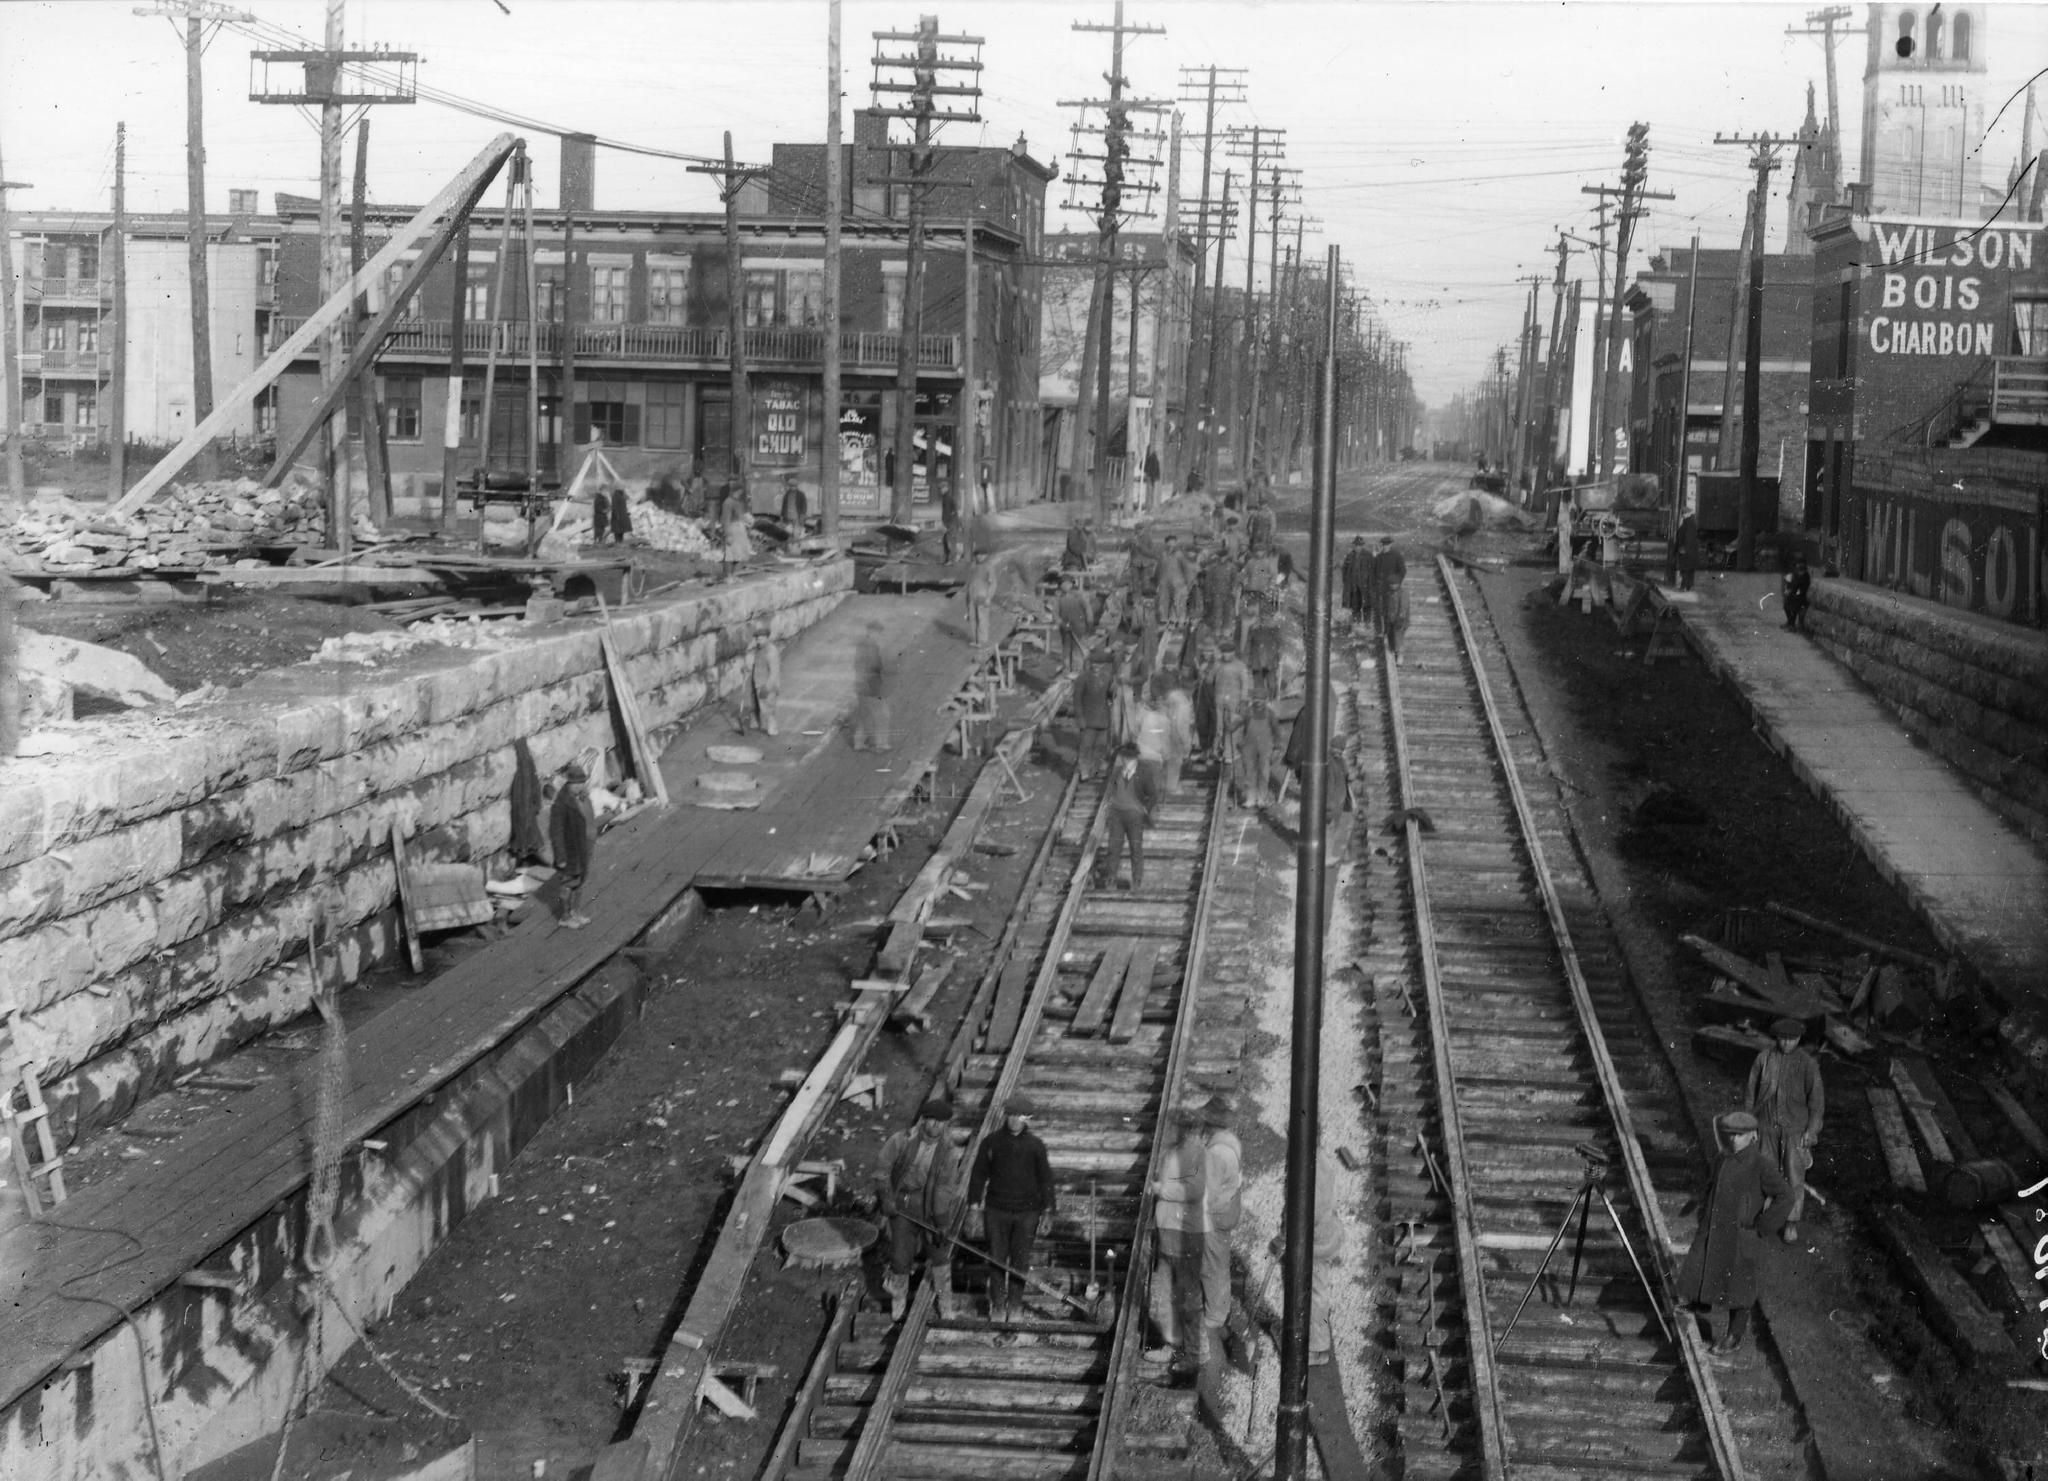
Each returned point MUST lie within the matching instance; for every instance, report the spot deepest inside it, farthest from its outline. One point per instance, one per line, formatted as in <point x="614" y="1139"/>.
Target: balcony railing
<point x="93" y="363"/>
<point x="81" y="290"/>
<point x="2019" y="390"/>
<point x="666" y="343"/>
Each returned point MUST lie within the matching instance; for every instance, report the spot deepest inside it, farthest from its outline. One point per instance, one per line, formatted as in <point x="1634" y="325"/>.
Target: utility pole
<point x="1525" y="375"/>
<point x="1547" y="449"/>
<point x="451" y="422"/>
<point x="1599" y="250"/>
<point x="363" y="403"/>
<point x="1257" y="144"/>
<point x="1206" y="452"/>
<point x="1725" y="437"/>
<point x="117" y="450"/>
<point x="1823" y="23"/>
<point x="924" y="64"/>
<point x="1635" y="172"/>
<point x="1279" y="182"/>
<point x="835" y="185"/>
<point x="1681" y="474"/>
<point x="1116" y="154"/>
<point x="1210" y="86"/>
<point x="1763" y="159"/>
<point x="732" y="178"/>
<point x="1297" y="1264"/>
<point x="325" y="81"/>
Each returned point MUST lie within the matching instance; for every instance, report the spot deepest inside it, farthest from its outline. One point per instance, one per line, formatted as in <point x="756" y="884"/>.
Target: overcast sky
<point x="1440" y="144"/>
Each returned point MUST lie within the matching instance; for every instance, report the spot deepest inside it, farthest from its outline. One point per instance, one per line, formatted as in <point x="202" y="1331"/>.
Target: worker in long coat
<point x="1390" y="593"/>
<point x="1358" y="581"/>
<point x="1786" y="1096"/>
<point x="1745" y="1201"/>
<point x="1685" y="550"/>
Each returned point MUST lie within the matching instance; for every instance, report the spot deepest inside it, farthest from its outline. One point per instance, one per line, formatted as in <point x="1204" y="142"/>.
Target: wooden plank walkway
<point x="155" y="1222"/>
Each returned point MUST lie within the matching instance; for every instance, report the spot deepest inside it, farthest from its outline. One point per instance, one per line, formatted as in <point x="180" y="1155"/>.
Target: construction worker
<point x="920" y="1179"/>
<point x="1745" y="1201"/>
<point x="1093" y="712"/>
<point x="1010" y="1196"/>
<point x="795" y="507"/>
<point x="1326" y="1254"/>
<point x="1685" y="551"/>
<point x="765" y="678"/>
<point x="1258" y="738"/>
<point x="572" y="831"/>
<point x="1233" y="692"/>
<point x="1077" y="621"/>
<point x="1180" y="1237"/>
<point x="1153" y="731"/>
<point x="1222" y="1209"/>
<point x="1390" y="594"/>
<point x="1172" y="591"/>
<point x="871" y="691"/>
<point x="1358" y="581"/>
<point x="1786" y="1096"/>
<point x="1262" y="654"/>
<point x="1798" y="594"/>
<point x="980" y="592"/>
<point x="1179" y="707"/>
<point x="1131" y="800"/>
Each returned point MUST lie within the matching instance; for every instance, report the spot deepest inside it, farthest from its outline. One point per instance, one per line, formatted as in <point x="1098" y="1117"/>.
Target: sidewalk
<point x="1975" y="880"/>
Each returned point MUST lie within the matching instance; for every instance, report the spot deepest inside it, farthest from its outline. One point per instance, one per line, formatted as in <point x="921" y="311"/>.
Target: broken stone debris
<point x="185" y="527"/>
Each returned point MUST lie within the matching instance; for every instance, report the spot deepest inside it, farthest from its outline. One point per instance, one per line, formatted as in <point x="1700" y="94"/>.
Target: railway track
<point x="1091" y="1012"/>
<point x="1501" y="1100"/>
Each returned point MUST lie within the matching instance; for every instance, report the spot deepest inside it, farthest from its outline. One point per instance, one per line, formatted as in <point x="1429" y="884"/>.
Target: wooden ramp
<point x="155" y="1221"/>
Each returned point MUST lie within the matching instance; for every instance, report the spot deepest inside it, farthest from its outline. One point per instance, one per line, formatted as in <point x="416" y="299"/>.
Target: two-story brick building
<point x="651" y="345"/>
<point x="1928" y="453"/>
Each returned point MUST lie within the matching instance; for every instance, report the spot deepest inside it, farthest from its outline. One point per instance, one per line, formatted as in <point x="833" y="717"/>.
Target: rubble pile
<point x="665" y="531"/>
<point x="183" y="527"/>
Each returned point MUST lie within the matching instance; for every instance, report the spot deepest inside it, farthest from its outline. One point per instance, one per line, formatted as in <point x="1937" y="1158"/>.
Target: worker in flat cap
<point x="572" y="831"/>
<point x="920" y="1182"/>
<point x="1009" y="1195"/>
<point x="1223" y="1210"/>
<point x="1745" y="1202"/>
<point x="1787" y="1098"/>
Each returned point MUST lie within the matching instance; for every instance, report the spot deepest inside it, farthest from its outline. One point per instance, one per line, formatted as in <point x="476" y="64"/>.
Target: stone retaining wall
<point x="156" y="891"/>
<point x="1975" y="691"/>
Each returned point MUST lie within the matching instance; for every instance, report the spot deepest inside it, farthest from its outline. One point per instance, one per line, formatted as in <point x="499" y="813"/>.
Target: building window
<point x="476" y="303"/>
<point x="402" y="408"/>
<point x="608" y="414"/>
<point x="394" y="279"/>
<point x="1959" y="39"/>
<point x="88" y="336"/>
<point x="803" y="297"/>
<point x="53" y="408"/>
<point x="1934" y="35"/>
<point x="266" y="414"/>
<point x="53" y="336"/>
<point x="88" y="409"/>
<point x="472" y="420"/>
<point x="665" y="413"/>
<point x="548" y="294"/>
<point x="608" y="295"/>
<point x="761" y="287"/>
<point x="892" y="301"/>
<point x="32" y="259"/>
<point x="1908" y="24"/>
<point x="668" y="293"/>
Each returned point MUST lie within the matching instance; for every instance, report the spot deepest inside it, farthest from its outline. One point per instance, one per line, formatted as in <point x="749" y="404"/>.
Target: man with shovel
<point x="920" y="1176"/>
<point x="1009" y="1197"/>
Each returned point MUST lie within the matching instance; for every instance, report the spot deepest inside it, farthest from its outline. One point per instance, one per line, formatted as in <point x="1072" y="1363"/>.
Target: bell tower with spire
<point x="1816" y="182"/>
<point x="1923" y="111"/>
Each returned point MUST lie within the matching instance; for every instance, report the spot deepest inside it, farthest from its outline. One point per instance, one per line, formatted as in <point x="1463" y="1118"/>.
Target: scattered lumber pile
<point x="186" y="527"/>
<point x="662" y="530"/>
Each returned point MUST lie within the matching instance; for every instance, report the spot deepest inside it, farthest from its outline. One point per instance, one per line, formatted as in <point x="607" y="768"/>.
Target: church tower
<point x="1815" y="181"/>
<point x="1923" y="111"/>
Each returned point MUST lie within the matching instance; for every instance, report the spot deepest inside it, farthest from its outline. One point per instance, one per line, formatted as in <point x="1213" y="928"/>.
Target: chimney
<point x="579" y="172"/>
<point x="870" y="129"/>
<point x="242" y="203"/>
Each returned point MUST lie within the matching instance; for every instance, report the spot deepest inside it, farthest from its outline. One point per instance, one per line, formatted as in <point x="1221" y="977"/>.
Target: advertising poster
<point x="860" y="460"/>
<point x="779" y="424"/>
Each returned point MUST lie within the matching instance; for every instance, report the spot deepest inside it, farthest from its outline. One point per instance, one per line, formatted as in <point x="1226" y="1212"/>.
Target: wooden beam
<point x="412" y="936"/>
<point x="465" y="186"/>
<point x="1896" y="1141"/>
<point x="646" y="761"/>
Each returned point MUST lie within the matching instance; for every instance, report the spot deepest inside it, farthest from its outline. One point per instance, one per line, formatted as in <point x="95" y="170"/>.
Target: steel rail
<point x="1720" y="1431"/>
<point x="1464" y="1224"/>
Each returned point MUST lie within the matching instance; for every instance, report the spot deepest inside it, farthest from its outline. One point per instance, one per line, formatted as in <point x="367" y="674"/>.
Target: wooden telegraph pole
<point x="924" y="63"/>
<point x="835" y="186"/>
<point x="1209" y="86"/>
<point x="1213" y="338"/>
<point x="1115" y="158"/>
<point x="1763" y="159"/>
<point x="1635" y="172"/>
<point x="731" y="179"/>
<point x="10" y="363"/>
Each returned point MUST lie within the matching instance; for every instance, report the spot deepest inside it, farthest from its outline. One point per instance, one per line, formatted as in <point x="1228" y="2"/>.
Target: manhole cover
<point x="823" y="1244"/>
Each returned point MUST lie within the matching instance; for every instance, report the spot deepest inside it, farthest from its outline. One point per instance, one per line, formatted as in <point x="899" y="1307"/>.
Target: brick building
<point x="1659" y="303"/>
<point x="1928" y="451"/>
<point x="63" y="264"/>
<point x="650" y="350"/>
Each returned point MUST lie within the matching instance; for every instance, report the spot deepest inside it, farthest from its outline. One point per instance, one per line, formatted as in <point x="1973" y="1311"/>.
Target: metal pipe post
<point x="1303" y="1113"/>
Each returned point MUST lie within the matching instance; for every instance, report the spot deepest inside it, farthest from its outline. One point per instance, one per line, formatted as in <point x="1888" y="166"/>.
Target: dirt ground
<point x="522" y="1324"/>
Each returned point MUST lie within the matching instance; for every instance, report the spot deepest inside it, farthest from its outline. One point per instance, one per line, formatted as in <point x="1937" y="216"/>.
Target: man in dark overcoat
<point x="1746" y="1199"/>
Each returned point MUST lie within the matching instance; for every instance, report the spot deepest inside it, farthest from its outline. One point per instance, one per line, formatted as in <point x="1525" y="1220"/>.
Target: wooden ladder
<point x="17" y="1075"/>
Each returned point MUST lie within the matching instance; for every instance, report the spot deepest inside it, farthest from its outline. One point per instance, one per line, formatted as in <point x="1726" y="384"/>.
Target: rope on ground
<point x="156" y="1447"/>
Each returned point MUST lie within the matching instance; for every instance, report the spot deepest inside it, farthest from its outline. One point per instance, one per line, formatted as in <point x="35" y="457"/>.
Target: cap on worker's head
<point x="1358" y="539"/>
<point x="1788" y="1028"/>
<point x="1386" y="539"/>
<point x="935" y="1109"/>
<point x="1218" y="1111"/>
<point x="1735" y="1121"/>
<point x="1128" y="748"/>
<point x="1020" y="1105"/>
<point x="574" y="772"/>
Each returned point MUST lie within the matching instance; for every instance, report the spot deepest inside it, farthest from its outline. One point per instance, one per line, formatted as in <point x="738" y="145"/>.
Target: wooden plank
<point x="1921" y="1110"/>
<point x="646" y="760"/>
<point x="1950" y="1306"/>
<point x="1109" y="975"/>
<point x="2019" y="1274"/>
<point x="1740" y="969"/>
<point x="1897" y="1142"/>
<point x="1329" y="1419"/>
<point x="812" y="1092"/>
<point x="900" y="949"/>
<point x="405" y="918"/>
<point x="1130" y="1004"/>
<point x="2028" y="1128"/>
<point x="1008" y="1008"/>
<point x="354" y="575"/>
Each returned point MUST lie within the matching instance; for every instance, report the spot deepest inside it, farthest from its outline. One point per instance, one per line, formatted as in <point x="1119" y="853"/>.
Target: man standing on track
<point x="1132" y="796"/>
<point x="1358" y="581"/>
<point x="1222" y="1209"/>
<point x="1180" y="1236"/>
<point x="1077" y="620"/>
<point x="766" y="678"/>
<point x="1745" y="1201"/>
<point x="920" y="1180"/>
<point x="1010" y="1194"/>
<point x="1093" y="710"/>
<point x="1390" y="594"/>
<point x="572" y="830"/>
<point x="1787" y="1098"/>
<point x="871" y="690"/>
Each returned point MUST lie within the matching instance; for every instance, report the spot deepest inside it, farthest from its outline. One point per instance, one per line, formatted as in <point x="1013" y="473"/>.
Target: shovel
<point x="1094" y="1291"/>
<point x="1096" y="1311"/>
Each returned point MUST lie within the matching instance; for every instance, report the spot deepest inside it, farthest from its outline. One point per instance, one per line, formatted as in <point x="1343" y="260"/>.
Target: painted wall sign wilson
<point x="1931" y="294"/>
